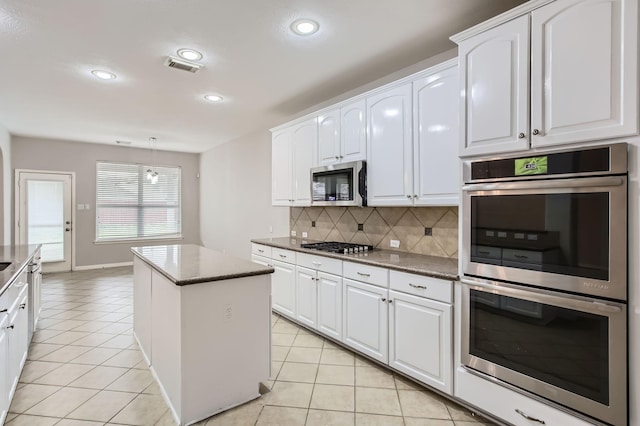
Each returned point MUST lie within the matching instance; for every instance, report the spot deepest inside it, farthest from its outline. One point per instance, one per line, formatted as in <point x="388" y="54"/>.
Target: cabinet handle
<point x="536" y="132"/>
<point x="417" y="286"/>
<point x="520" y="256"/>
<point x="408" y="196"/>
<point x="415" y="195"/>
<point x="337" y="157"/>
<point x="260" y="251"/>
<point x="2" y="311"/>
<point x="383" y="299"/>
<point x="363" y="274"/>
<point x="341" y="157"/>
<point x="283" y="256"/>
<point x="270" y="266"/>
<point x="22" y="306"/>
<point x="317" y="263"/>
<point x="10" y="326"/>
<point x="533" y="419"/>
<point x="483" y="252"/>
<point x="521" y="136"/>
<point x="390" y="301"/>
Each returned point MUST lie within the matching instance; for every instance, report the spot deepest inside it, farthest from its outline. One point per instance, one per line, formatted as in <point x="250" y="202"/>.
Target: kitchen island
<point x="203" y="322"/>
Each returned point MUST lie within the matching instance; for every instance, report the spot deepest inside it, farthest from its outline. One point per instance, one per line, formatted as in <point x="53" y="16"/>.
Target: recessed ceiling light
<point x="213" y="98"/>
<point x="304" y="26"/>
<point x="104" y="75"/>
<point x="190" y="54"/>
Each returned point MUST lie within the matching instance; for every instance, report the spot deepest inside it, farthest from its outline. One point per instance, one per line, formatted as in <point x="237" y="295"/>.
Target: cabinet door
<point x="306" y="297"/>
<point x="365" y="319"/>
<point x="283" y="288"/>
<point x="436" y="138"/>
<point x="420" y="339"/>
<point x="494" y="76"/>
<point x="305" y="137"/>
<point x="389" y="148"/>
<point x="142" y="306"/>
<point x="353" y="131"/>
<point x="281" y="173"/>
<point x="330" y="305"/>
<point x="4" y="383"/>
<point x="22" y="329"/>
<point x="583" y="71"/>
<point x="329" y="138"/>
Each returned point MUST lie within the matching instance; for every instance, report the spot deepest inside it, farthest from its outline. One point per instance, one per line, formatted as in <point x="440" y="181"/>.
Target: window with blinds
<point x="131" y="206"/>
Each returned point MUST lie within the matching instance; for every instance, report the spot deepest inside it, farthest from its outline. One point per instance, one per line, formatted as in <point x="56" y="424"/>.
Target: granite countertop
<point x="432" y="266"/>
<point x="191" y="264"/>
<point x="19" y="256"/>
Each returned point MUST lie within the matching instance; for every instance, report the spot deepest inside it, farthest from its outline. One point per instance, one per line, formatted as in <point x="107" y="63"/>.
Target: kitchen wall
<point x="67" y="156"/>
<point x="235" y="184"/>
<point x="425" y="230"/>
<point x="6" y="186"/>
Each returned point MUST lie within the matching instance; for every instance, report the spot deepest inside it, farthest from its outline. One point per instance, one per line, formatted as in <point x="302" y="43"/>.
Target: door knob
<point x="67" y="229"/>
<point x="68" y="222"/>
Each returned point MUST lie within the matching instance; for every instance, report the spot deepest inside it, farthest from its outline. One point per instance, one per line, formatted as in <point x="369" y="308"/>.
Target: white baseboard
<point x="106" y="265"/>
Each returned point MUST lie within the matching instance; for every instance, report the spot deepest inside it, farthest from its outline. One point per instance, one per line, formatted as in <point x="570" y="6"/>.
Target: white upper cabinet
<point x="292" y="156"/>
<point x="494" y="80"/>
<point x="583" y="83"/>
<point x="329" y="137"/>
<point x="305" y="139"/>
<point x="342" y="135"/>
<point x="353" y="131"/>
<point x="389" y="147"/>
<point x="583" y="71"/>
<point x="281" y="173"/>
<point x="435" y="138"/>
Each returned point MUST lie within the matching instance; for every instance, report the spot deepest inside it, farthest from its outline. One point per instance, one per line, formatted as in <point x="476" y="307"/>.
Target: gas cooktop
<point x="337" y="247"/>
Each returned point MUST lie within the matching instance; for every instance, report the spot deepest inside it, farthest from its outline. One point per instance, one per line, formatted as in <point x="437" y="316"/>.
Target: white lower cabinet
<point x="142" y="307"/>
<point x="4" y="388"/>
<point x="283" y="288"/>
<point x="420" y="343"/>
<point x="306" y="297"/>
<point x="365" y="318"/>
<point x="330" y="305"/>
<point x="508" y="405"/>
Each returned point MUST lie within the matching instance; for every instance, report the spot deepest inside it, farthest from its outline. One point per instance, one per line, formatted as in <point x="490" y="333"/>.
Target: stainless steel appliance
<point x="34" y="278"/>
<point x="338" y="247"/>
<point x="556" y="220"/>
<point x="339" y="184"/>
<point x="544" y="277"/>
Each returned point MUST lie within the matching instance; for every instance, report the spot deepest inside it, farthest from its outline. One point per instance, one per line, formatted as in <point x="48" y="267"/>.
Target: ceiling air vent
<point x="181" y="64"/>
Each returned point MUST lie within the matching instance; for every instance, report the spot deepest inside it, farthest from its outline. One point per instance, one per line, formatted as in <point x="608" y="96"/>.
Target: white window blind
<point x="130" y="206"/>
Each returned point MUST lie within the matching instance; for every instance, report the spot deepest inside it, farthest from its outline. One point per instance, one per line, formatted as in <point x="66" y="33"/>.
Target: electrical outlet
<point x="294" y="233"/>
<point x="304" y="235"/>
<point x="394" y="243"/>
<point x="313" y="223"/>
<point x="228" y="312"/>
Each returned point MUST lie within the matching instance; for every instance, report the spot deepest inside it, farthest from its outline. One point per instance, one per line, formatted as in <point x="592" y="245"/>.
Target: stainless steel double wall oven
<point x="544" y="265"/>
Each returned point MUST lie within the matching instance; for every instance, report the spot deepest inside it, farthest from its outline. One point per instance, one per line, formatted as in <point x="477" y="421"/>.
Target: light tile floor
<point x="84" y="368"/>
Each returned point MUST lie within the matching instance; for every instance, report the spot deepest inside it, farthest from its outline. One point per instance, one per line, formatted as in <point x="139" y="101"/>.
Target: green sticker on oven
<point x="531" y="166"/>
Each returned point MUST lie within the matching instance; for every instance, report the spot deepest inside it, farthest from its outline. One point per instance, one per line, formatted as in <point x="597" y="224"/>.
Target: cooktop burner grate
<point x="338" y="247"/>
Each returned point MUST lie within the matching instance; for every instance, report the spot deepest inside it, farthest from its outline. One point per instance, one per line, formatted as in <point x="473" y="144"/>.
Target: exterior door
<point x="44" y="216"/>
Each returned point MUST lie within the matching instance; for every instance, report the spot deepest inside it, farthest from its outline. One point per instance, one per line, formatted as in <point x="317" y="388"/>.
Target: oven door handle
<point x="546" y="184"/>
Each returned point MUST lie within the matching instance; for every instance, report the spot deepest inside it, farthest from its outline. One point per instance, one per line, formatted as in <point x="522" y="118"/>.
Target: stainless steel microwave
<point x="339" y="184"/>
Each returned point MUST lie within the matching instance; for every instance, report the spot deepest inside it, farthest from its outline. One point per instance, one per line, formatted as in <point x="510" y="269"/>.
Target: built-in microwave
<point x="339" y="184"/>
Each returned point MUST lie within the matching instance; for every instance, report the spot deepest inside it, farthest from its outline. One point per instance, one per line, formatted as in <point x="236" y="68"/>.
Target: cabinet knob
<point x="536" y="132"/>
<point x="337" y="158"/>
<point x="408" y="196"/>
<point x="521" y="136"/>
<point x="341" y="157"/>
<point x="10" y="327"/>
<point x="415" y="195"/>
<point x="383" y="299"/>
<point x="23" y="305"/>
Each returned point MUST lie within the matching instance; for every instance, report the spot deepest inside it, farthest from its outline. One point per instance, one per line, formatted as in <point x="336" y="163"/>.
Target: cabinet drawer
<point x="418" y="285"/>
<point x="320" y="263"/>
<point x="283" y="255"/>
<point x="260" y="250"/>
<point x="365" y="273"/>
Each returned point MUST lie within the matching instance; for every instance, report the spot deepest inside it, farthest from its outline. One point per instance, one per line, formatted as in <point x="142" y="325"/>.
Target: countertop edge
<point x="199" y="280"/>
<point x="19" y="270"/>
<point x="426" y="273"/>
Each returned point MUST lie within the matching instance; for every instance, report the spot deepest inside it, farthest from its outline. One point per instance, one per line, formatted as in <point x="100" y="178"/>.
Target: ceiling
<point x="265" y="73"/>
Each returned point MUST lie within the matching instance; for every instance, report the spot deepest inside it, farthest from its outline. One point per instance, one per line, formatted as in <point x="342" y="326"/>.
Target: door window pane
<point x="45" y="204"/>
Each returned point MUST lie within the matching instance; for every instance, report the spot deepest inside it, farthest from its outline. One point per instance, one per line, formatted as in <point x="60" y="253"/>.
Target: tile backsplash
<point x="424" y="230"/>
